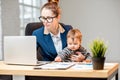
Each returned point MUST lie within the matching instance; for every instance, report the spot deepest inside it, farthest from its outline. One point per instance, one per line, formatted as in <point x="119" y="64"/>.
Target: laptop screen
<point x="20" y="50"/>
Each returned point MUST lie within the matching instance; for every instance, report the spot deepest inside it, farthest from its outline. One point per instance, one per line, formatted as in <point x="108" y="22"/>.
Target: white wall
<point x="95" y="18"/>
<point x="10" y="22"/>
<point x="0" y="34"/>
<point x="0" y="41"/>
<point x="10" y="17"/>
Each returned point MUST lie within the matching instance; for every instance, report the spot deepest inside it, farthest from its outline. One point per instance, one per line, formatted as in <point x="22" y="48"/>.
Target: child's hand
<point x="87" y="61"/>
<point x="74" y="58"/>
<point x="77" y="58"/>
<point x="58" y="59"/>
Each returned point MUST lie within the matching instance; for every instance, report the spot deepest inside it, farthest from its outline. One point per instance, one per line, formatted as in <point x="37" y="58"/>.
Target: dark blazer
<point x="46" y="44"/>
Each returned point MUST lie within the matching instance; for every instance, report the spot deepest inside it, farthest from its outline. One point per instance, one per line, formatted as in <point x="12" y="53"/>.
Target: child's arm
<point x="79" y="57"/>
<point x="85" y="53"/>
<point x="63" y="55"/>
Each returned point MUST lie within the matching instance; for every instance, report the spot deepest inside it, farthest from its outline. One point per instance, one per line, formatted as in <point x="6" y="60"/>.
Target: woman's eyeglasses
<point x="48" y="19"/>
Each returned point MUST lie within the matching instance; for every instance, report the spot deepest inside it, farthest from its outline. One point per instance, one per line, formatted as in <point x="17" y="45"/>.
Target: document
<point x="82" y="66"/>
<point x="56" y="66"/>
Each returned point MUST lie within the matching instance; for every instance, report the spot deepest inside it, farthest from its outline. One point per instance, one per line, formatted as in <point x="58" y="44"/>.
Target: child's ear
<point x="80" y="45"/>
<point x="80" y="42"/>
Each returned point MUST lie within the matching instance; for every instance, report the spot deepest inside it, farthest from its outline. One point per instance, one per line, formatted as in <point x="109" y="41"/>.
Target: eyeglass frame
<point x="47" y="19"/>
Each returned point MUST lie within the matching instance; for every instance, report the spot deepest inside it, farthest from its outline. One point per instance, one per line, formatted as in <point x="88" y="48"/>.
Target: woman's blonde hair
<point x="75" y="33"/>
<point x="57" y="1"/>
<point x="53" y="6"/>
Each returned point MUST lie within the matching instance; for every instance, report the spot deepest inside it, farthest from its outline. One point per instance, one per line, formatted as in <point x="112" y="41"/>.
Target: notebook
<point x="21" y="50"/>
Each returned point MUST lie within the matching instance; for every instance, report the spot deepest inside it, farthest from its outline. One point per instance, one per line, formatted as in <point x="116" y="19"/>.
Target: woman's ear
<point x="59" y="16"/>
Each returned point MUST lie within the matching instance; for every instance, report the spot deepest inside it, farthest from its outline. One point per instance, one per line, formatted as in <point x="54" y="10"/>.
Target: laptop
<point x="21" y="50"/>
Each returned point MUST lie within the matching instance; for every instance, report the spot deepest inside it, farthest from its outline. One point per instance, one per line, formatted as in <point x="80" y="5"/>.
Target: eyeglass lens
<point x="48" y="19"/>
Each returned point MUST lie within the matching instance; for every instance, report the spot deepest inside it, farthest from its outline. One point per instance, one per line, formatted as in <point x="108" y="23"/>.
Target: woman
<point x="51" y="37"/>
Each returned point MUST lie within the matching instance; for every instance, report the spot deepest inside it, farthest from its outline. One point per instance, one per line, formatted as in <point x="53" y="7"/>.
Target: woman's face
<point x="49" y="19"/>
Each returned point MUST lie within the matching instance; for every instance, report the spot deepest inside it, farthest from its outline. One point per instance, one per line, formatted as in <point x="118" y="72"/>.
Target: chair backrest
<point x="31" y="27"/>
<point x="29" y="30"/>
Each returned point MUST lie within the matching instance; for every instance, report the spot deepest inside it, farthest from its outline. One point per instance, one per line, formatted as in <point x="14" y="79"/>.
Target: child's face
<point x="73" y="44"/>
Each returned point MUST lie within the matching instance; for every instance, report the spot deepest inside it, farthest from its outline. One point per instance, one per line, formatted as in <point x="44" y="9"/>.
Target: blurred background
<point x="94" y="18"/>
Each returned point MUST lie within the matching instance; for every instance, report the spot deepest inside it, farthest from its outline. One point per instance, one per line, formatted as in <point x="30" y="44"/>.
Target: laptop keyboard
<point x="43" y="62"/>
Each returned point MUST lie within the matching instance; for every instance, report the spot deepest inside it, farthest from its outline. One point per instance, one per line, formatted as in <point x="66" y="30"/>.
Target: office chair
<point x="31" y="27"/>
<point x="28" y="32"/>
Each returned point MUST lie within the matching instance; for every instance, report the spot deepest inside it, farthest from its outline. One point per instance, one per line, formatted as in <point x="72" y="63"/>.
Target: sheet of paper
<point x="83" y="66"/>
<point x="56" y="65"/>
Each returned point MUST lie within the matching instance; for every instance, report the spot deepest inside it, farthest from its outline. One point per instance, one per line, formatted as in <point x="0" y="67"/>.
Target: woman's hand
<point x="77" y="57"/>
<point x="58" y="59"/>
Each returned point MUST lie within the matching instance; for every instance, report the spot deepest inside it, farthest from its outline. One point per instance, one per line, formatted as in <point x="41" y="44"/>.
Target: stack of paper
<point x="56" y="65"/>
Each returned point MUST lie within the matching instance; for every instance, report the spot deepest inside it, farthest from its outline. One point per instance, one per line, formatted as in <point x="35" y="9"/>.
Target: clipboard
<point x="56" y="66"/>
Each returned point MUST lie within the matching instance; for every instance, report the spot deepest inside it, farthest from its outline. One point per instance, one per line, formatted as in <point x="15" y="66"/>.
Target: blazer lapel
<point x="64" y="39"/>
<point x="49" y="43"/>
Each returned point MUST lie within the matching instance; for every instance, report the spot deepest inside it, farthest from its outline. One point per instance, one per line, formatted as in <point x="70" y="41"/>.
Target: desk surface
<point x="29" y="70"/>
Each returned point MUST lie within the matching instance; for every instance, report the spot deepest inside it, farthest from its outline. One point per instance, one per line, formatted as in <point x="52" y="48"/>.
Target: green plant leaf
<point x="98" y="48"/>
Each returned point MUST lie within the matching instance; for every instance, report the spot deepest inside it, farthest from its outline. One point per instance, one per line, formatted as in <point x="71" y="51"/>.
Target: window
<point x="29" y="12"/>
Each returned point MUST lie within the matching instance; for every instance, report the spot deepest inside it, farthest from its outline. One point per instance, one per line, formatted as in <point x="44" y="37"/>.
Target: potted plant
<point x="98" y="49"/>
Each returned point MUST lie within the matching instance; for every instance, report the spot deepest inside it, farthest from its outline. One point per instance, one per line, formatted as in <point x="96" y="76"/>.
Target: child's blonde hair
<point x="75" y="33"/>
